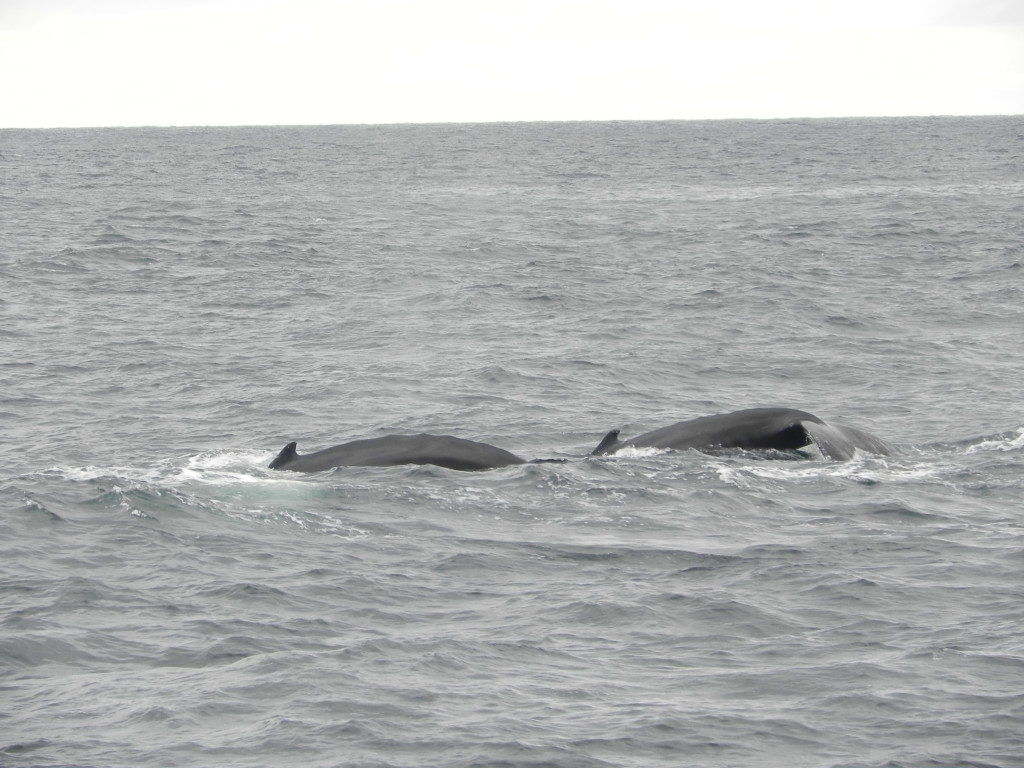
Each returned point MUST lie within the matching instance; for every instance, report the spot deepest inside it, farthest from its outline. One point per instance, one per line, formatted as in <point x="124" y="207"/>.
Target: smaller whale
<point x="392" y="450"/>
<point x="752" y="429"/>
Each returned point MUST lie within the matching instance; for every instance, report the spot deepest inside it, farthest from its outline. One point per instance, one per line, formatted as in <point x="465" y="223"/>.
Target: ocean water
<point x="177" y="304"/>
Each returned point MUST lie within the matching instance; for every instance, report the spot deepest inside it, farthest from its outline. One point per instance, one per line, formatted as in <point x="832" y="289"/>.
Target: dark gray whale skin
<point x="391" y="450"/>
<point x="754" y="428"/>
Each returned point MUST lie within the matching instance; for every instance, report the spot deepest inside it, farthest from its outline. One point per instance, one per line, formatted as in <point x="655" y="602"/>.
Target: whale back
<point x="752" y="429"/>
<point x="390" y="450"/>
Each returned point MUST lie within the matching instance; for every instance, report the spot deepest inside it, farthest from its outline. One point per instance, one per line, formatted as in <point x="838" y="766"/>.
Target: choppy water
<point x="178" y="304"/>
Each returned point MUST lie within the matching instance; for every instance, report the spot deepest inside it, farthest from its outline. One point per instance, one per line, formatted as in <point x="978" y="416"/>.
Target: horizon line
<point x="936" y="115"/>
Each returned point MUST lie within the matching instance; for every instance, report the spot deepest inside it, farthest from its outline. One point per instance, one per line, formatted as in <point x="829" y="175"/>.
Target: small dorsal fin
<point x="286" y="455"/>
<point x="608" y="442"/>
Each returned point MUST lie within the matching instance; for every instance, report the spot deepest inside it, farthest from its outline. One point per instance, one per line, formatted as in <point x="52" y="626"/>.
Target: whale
<point x="784" y="429"/>
<point x="392" y="450"/>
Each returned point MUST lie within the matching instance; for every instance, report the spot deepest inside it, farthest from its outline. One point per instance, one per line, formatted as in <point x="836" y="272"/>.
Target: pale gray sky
<point x="232" y="62"/>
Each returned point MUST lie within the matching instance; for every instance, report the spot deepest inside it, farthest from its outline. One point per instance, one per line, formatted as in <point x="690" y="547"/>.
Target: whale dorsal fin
<point x="286" y="455"/>
<point x="608" y="443"/>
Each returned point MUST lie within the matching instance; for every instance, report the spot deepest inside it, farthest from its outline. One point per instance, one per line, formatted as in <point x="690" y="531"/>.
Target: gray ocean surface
<point x="177" y="304"/>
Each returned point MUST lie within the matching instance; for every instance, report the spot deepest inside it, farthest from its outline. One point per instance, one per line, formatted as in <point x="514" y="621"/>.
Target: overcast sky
<point x="247" y="62"/>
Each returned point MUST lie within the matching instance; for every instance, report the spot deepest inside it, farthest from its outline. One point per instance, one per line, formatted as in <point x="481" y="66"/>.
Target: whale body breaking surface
<point x="783" y="429"/>
<point x="392" y="450"/>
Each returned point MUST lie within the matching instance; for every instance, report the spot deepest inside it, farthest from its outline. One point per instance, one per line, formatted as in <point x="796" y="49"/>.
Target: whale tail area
<point x="840" y="443"/>
<point x="287" y="454"/>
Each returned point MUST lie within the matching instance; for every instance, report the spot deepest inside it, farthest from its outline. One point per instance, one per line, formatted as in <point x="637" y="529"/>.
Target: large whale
<point x="754" y="428"/>
<point x="391" y="450"/>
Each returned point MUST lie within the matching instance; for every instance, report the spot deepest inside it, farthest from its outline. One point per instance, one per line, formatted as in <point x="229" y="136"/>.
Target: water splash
<point x="1004" y="442"/>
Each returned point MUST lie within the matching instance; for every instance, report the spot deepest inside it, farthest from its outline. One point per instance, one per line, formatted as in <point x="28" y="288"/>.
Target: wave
<point x="223" y="484"/>
<point x="1002" y="441"/>
<point x="212" y="468"/>
<point x="863" y="469"/>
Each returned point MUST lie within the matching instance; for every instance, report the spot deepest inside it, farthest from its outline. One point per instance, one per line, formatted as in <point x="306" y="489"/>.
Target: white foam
<point x="632" y="452"/>
<point x="85" y="474"/>
<point x="219" y="468"/>
<point x="230" y="459"/>
<point x="862" y="469"/>
<point x="1004" y="444"/>
<point x="223" y="474"/>
<point x="308" y="521"/>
